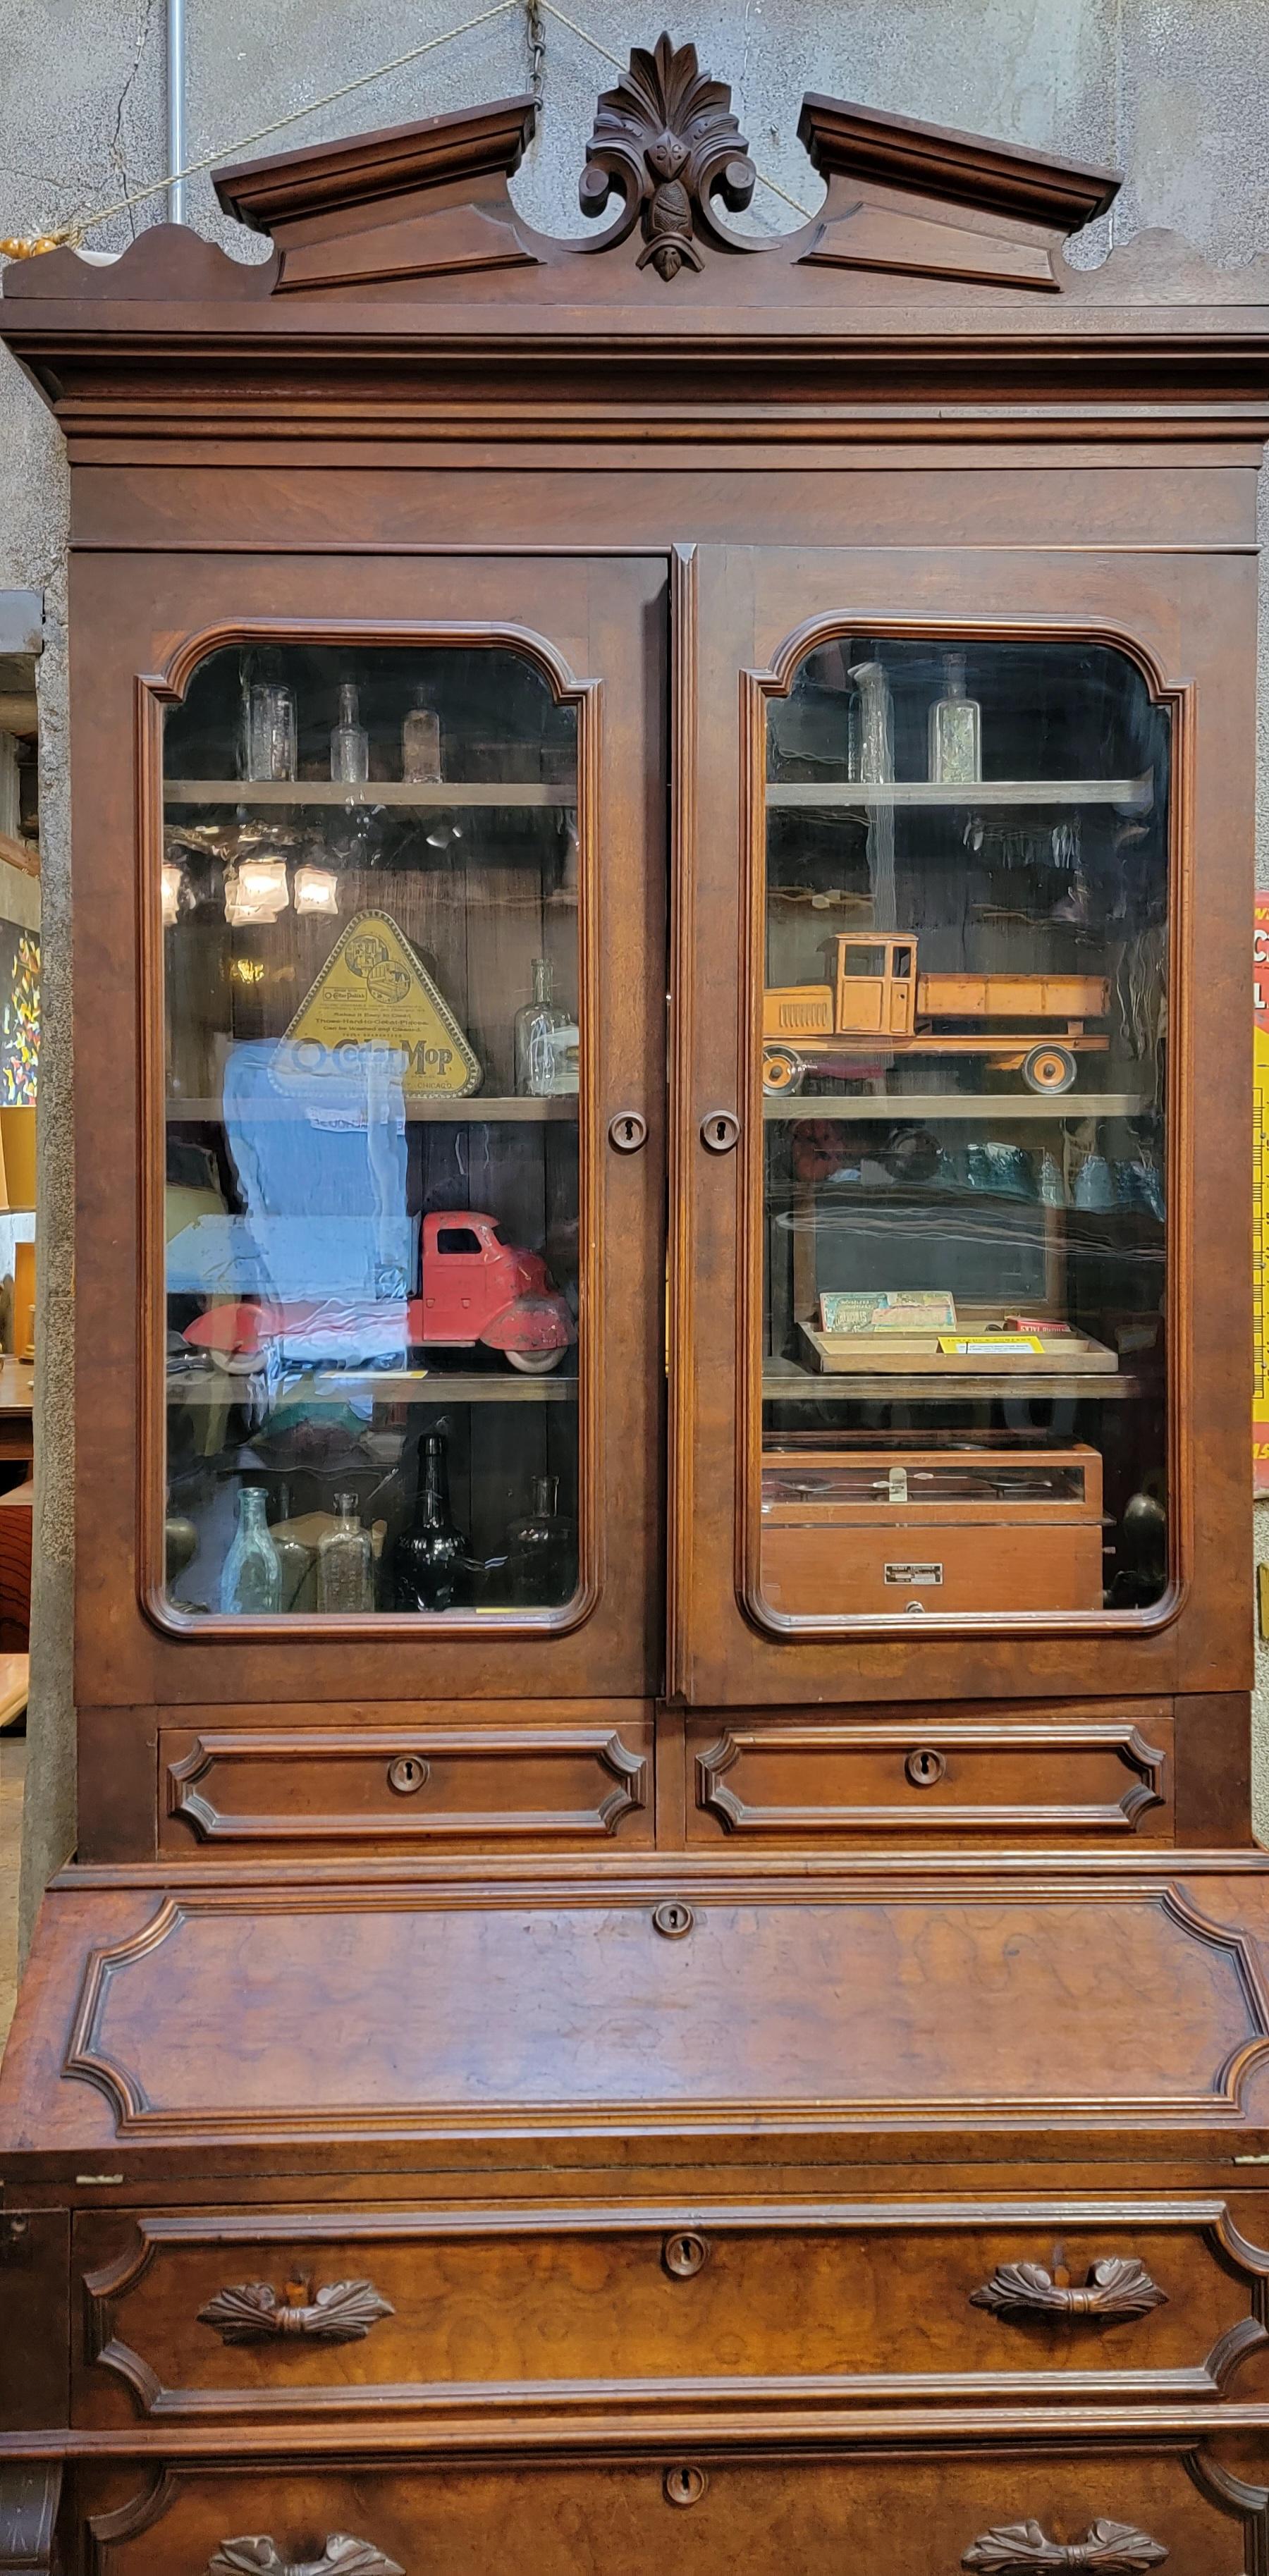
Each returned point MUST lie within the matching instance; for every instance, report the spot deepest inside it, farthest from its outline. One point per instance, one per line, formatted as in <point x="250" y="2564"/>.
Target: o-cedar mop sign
<point x="374" y="991"/>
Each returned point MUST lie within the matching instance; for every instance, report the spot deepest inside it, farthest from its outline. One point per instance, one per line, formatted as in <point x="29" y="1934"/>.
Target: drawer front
<point x="189" y="2315"/>
<point x="838" y="1573"/>
<point x="800" y="1779"/>
<point x="527" y="1786"/>
<point x="1008" y="2510"/>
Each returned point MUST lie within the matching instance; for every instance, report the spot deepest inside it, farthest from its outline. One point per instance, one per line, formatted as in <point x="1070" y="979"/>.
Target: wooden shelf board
<point x="984" y="1106"/>
<point x="413" y="797"/>
<point x="783" y="1382"/>
<point x="387" y="1386"/>
<point x="1132" y="795"/>
<point x="480" y="1110"/>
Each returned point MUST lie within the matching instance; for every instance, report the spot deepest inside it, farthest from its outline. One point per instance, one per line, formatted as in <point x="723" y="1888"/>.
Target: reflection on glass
<point x="372" y="1263"/>
<point x="963" y="1060"/>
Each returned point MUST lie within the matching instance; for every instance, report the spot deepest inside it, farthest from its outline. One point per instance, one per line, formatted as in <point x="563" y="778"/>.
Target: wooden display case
<point x="559" y="2056"/>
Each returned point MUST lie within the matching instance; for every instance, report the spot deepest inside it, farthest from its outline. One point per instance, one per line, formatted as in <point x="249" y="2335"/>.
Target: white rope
<point x="74" y="233"/>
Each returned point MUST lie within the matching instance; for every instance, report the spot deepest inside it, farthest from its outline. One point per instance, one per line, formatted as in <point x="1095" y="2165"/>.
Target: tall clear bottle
<point x="542" y="1068"/>
<point x="431" y="1567"/>
<point x="421" y="742"/>
<point x="349" y="742"/>
<point x="956" y="748"/>
<point x="345" y="1561"/>
<point x="251" y="1577"/>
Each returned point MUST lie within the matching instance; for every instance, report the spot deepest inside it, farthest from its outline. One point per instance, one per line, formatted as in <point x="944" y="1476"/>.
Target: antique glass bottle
<point x="421" y="742"/>
<point x="345" y="1561"/>
<point x="542" y="1551"/>
<point x="871" y="752"/>
<point x="432" y="1560"/>
<point x="542" y="1068"/>
<point x="956" y="753"/>
<point x="251" y="1577"/>
<point x="349" y="742"/>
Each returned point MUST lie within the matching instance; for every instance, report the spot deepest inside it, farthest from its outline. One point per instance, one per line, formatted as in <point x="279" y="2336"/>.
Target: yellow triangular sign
<point x="374" y="991"/>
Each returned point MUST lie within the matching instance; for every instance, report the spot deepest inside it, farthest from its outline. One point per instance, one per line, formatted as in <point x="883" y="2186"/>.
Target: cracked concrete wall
<point x="1163" y="89"/>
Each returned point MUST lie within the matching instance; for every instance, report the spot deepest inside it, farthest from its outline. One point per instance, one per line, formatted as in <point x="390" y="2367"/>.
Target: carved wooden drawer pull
<point x="252" y="2312"/>
<point x="257" y="2555"/>
<point x="1118" y="2286"/>
<point x="1113" y="2548"/>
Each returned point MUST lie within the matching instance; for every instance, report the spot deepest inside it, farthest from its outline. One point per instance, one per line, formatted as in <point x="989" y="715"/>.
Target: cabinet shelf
<point x="491" y="1110"/>
<point x="1130" y="795"/>
<point x="783" y="1382"/>
<point x="979" y="1107"/>
<point x="413" y="796"/>
<point x="387" y="1386"/>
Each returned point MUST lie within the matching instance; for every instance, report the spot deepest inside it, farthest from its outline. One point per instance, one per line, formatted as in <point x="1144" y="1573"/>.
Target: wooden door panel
<point x="1187" y="622"/>
<point x="602" y="623"/>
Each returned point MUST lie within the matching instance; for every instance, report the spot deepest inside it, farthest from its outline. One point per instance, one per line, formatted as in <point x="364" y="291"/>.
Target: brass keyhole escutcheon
<point x="924" y="1766"/>
<point x="685" y="2486"/>
<point x="720" y="1131"/>
<point x="408" y="1773"/>
<point x="627" y="1131"/>
<point x="674" y="1920"/>
<point x="685" y="2255"/>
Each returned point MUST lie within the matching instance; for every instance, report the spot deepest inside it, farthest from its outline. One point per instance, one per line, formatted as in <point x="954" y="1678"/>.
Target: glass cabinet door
<point x="375" y="1041"/>
<point x="964" y="1043"/>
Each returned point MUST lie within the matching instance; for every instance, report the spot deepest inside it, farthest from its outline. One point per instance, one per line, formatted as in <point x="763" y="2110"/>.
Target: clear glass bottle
<point x="349" y="742"/>
<point x="431" y="1566"/>
<point x="542" y="1551"/>
<point x="294" y="1558"/>
<point x="873" y="722"/>
<point x="271" y="730"/>
<point x="542" y="1070"/>
<point x="421" y="742"/>
<point x="956" y="749"/>
<point x="345" y="1561"/>
<point x="251" y="1577"/>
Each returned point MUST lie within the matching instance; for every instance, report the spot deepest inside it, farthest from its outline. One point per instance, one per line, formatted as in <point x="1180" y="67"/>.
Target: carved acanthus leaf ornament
<point x="667" y="140"/>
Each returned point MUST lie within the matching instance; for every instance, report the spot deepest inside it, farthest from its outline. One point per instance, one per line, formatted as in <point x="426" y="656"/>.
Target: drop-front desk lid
<point x="963" y="2012"/>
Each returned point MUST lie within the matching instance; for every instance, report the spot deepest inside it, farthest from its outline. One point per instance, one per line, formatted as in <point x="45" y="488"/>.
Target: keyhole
<point x="673" y="1920"/>
<point x="685" y="2486"/>
<point x="627" y="1131"/>
<point x="685" y="2255"/>
<point x="924" y="1767"/>
<point x="408" y="1773"/>
<point x="720" y="1131"/>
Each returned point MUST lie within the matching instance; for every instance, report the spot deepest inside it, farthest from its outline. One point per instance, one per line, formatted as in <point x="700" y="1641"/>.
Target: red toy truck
<point x="473" y="1288"/>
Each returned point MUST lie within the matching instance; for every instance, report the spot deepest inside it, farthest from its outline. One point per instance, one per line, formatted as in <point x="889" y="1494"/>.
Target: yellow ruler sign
<point x="375" y="991"/>
<point x="1260" y="1197"/>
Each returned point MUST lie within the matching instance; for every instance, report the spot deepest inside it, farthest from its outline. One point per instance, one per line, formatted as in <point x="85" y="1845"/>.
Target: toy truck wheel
<point x="1049" y="1068"/>
<point x="782" y="1069"/>
<point x="535" y="1363"/>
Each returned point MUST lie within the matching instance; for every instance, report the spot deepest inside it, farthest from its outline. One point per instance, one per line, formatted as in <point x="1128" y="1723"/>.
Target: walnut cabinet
<point x="665" y="1955"/>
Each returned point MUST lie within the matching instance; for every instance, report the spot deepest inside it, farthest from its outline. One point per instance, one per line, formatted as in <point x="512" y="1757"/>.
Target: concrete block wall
<point x="1168" y="91"/>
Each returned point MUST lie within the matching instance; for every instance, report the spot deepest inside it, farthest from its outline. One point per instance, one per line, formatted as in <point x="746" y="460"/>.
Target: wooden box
<point x="849" y="1533"/>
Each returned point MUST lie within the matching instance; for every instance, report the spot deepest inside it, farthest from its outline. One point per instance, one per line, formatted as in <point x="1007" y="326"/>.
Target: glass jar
<point x="421" y="743"/>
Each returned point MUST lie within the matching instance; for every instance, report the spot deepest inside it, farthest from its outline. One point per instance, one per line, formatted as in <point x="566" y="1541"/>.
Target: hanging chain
<point x="535" y="31"/>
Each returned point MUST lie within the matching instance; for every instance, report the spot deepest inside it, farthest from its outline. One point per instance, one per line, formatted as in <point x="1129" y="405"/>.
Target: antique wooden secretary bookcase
<point x="665" y="1964"/>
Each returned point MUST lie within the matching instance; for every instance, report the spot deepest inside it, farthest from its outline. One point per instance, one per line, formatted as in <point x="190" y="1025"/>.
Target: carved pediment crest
<point x="666" y="139"/>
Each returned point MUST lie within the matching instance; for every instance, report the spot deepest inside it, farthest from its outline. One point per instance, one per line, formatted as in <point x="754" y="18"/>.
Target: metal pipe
<point x="176" y="108"/>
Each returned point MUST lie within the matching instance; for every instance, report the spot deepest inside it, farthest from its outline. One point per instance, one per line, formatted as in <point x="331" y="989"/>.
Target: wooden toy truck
<point x="879" y="1005"/>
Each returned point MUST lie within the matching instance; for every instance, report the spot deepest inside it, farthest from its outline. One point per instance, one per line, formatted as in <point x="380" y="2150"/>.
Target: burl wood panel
<point x="213" y="2315"/>
<point x="266" y="2014"/>
<point x="702" y="2514"/>
<point x="808" y="1779"/>
<point x="526" y="1786"/>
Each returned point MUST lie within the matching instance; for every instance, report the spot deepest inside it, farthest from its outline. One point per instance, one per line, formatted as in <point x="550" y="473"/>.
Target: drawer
<point x="528" y="1786"/>
<point x="195" y="2315"/>
<point x="925" y="2513"/>
<point x="800" y="1779"/>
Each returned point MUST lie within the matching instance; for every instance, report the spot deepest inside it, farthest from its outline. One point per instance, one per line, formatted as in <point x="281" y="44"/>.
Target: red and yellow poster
<point x="1260" y="1197"/>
